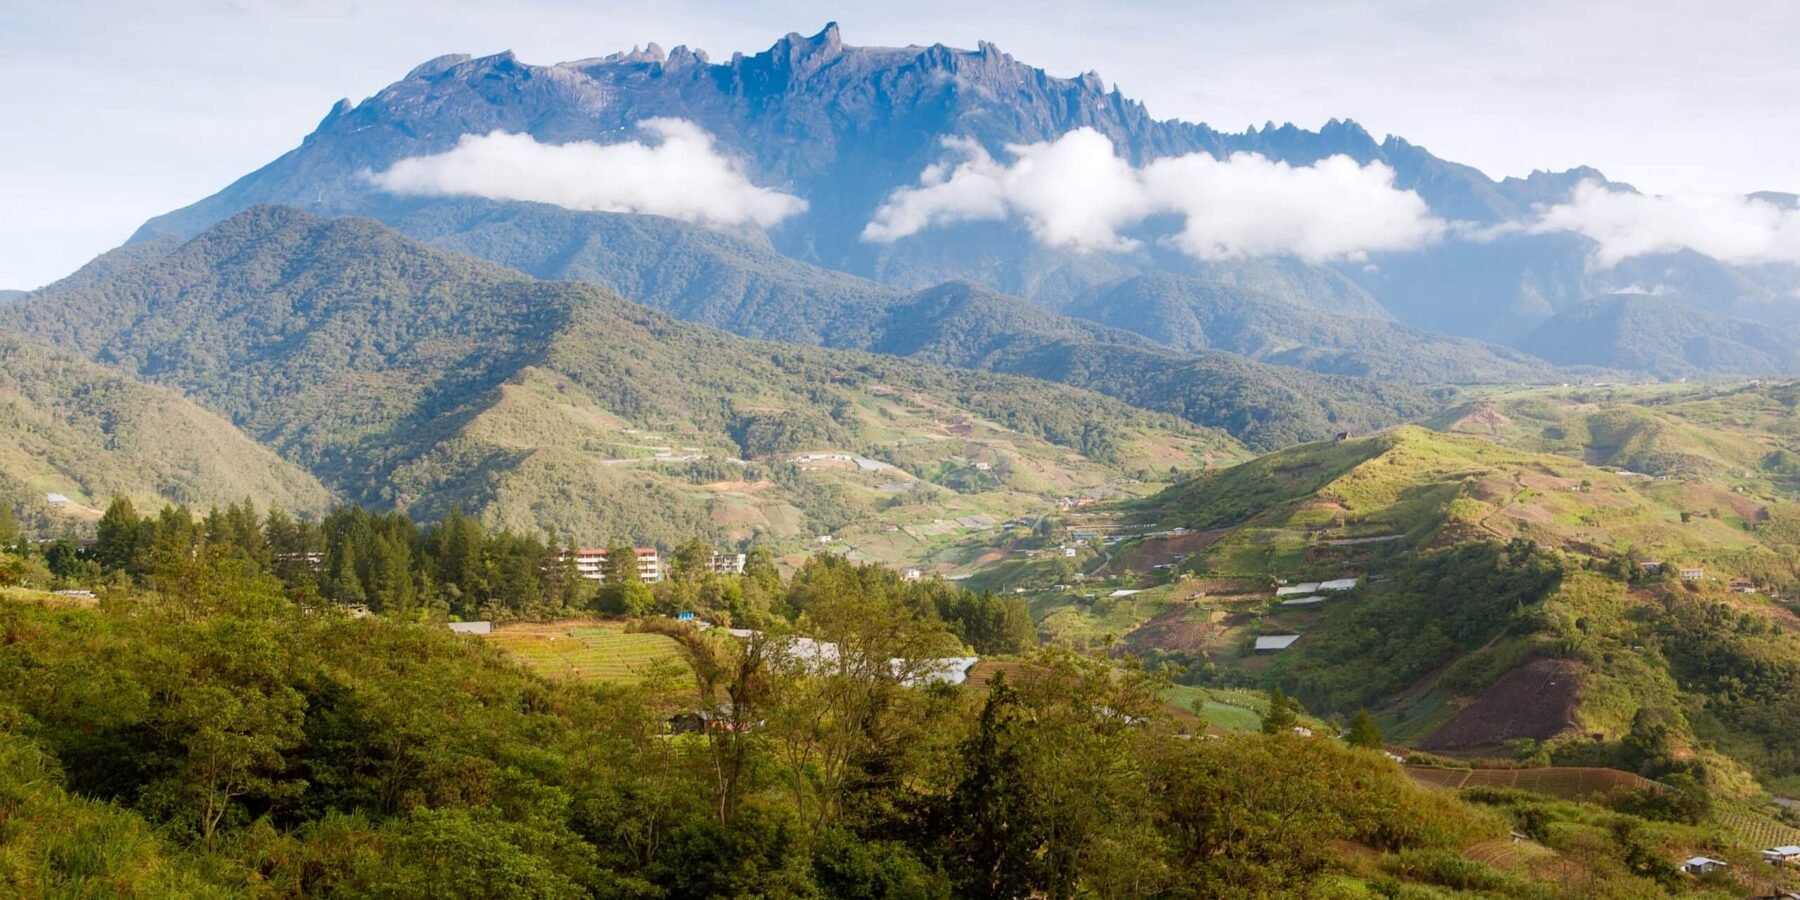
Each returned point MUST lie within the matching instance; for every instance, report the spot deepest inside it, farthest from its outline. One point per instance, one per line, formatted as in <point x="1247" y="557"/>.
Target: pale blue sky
<point x="115" y="110"/>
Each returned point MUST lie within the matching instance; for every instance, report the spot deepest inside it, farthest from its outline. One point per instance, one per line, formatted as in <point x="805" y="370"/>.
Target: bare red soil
<point x="1536" y="700"/>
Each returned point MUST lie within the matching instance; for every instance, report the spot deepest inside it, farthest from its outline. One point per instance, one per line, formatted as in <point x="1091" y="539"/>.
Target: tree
<point x="460" y="563"/>
<point x="9" y="526"/>
<point x="992" y="840"/>
<point x="116" y="538"/>
<point x="692" y="560"/>
<point x="1281" y="717"/>
<point x="623" y="593"/>
<point x="64" y="563"/>
<point x="1363" y="732"/>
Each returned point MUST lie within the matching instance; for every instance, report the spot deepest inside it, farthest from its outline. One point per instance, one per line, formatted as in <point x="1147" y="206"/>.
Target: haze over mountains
<point x="919" y="165"/>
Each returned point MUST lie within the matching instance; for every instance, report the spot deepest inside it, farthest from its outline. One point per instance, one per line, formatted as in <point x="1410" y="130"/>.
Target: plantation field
<point x="1755" y="829"/>
<point x="1563" y="782"/>
<point x="589" y="651"/>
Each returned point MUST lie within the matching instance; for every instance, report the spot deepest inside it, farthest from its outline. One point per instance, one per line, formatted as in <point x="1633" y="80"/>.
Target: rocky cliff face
<point x="843" y="126"/>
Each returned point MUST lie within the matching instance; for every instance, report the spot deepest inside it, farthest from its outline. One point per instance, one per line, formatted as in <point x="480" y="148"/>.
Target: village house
<point x="1702" y="865"/>
<point x="911" y="575"/>
<point x="590" y="562"/>
<point x="1654" y="567"/>
<point x="1785" y="855"/>
<point x="472" y="627"/>
<point x="1743" y="586"/>
<point x="1692" y="574"/>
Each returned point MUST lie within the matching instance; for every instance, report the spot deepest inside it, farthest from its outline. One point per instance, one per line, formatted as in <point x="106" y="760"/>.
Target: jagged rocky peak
<point x="434" y="67"/>
<point x="796" y="49"/>
<point x="651" y="54"/>
<point x="681" y="56"/>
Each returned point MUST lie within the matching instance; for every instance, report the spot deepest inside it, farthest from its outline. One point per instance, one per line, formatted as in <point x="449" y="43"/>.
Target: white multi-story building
<point x="591" y="563"/>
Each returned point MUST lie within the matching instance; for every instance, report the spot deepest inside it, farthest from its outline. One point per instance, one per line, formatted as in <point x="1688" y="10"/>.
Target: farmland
<point x="591" y="651"/>
<point x="1564" y="782"/>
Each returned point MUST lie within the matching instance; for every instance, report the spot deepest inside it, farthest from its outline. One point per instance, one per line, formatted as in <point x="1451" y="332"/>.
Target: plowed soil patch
<point x="1178" y="630"/>
<point x="1169" y="550"/>
<point x="1536" y="700"/>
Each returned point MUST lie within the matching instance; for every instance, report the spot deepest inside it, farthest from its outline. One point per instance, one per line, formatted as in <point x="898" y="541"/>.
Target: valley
<point x="895" y="472"/>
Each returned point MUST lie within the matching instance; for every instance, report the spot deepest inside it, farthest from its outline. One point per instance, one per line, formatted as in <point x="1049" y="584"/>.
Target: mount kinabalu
<point x="843" y="127"/>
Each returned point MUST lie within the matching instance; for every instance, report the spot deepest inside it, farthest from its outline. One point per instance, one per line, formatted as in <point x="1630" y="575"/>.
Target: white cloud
<point x="1249" y="206"/>
<point x="681" y="175"/>
<point x="1076" y="192"/>
<point x="1071" y="192"/>
<point x="1624" y="224"/>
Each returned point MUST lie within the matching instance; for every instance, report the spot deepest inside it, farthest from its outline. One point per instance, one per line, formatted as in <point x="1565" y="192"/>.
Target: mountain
<point x="8" y="296"/>
<point x="1193" y="314"/>
<point x="709" y="277"/>
<point x="409" y="377"/>
<point x="842" y="127"/>
<point x="1650" y="334"/>
<point x="70" y="427"/>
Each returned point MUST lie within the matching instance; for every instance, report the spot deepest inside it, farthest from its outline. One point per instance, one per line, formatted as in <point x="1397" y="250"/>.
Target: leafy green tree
<point x="692" y="559"/>
<point x="116" y="538"/>
<point x="9" y="525"/>
<point x="1363" y="732"/>
<point x="990" y="837"/>
<point x="1281" y="716"/>
<point x="461" y="568"/>
<point x="62" y="559"/>
<point x="392" y="588"/>
<point x="623" y="592"/>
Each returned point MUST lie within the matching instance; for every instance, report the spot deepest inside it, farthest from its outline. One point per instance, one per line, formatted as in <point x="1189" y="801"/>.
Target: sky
<point x="117" y="110"/>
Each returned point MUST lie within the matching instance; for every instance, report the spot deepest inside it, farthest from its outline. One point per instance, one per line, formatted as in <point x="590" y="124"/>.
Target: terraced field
<point x="1565" y="782"/>
<point x="1755" y="829"/>
<point x="589" y="651"/>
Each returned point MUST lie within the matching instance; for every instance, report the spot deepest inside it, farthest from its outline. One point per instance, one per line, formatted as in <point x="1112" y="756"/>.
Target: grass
<point x="592" y="652"/>
<point x="1226" y="716"/>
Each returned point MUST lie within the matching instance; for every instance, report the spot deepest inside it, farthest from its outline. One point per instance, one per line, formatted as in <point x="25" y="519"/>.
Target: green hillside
<point x="1429" y="489"/>
<point x="73" y="428"/>
<point x="1745" y="432"/>
<point x="1196" y="315"/>
<point x="408" y="377"/>
<point x="703" y="276"/>
<point x="1500" y="603"/>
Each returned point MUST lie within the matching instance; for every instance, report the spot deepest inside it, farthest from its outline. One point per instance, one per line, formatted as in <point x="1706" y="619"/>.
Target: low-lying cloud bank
<point x="1731" y="229"/>
<point x="680" y="175"/>
<point x="1075" y="192"/>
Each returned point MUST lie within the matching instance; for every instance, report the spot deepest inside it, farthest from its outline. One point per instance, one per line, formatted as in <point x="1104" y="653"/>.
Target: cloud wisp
<point x="679" y="174"/>
<point x="1075" y="192"/>
<point x="1624" y="224"/>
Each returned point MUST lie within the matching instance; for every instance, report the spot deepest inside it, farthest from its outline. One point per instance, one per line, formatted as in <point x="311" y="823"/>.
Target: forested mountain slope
<point x="406" y="376"/>
<point x="763" y="295"/>
<point x="70" y="427"/>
